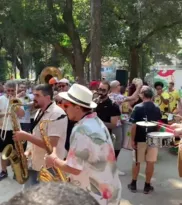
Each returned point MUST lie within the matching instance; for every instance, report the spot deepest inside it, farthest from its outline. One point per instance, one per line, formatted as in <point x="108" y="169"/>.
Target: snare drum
<point x="159" y="139"/>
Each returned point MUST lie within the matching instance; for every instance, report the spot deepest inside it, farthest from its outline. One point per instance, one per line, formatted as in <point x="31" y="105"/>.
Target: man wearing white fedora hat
<point x="91" y="160"/>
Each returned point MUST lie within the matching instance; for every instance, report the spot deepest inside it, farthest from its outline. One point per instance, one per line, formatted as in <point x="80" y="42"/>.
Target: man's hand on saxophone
<point x="22" y="136"/>
<point x="50" y="159"/>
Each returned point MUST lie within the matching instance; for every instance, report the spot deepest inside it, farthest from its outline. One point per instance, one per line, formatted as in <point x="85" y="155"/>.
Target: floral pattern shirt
<point x="92" y="152"/>
<point x="117" y="98"/>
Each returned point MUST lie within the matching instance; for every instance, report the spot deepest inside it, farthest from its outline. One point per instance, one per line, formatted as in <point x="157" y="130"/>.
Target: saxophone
<point x="44" y="174"/>
<point x="16" y="156"/>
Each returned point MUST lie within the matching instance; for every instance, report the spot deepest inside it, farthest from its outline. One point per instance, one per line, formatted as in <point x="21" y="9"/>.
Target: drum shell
<point x="118" y="137"/>
<point x="127" y="136"/>
<point x="159" y="139"/>
<point x="180" y="159"/>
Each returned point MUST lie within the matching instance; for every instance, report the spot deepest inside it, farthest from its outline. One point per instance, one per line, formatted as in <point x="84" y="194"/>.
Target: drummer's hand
<point x="178" y="131"/>
<point x="176" y="125"/>
<point x="133" y="144"/>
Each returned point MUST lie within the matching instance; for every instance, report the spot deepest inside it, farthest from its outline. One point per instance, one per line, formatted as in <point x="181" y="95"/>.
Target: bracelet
<point x="54" y="161"/>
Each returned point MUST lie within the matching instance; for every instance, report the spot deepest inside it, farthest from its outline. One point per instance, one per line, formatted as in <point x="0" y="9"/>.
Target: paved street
<point x="168" y="186"/>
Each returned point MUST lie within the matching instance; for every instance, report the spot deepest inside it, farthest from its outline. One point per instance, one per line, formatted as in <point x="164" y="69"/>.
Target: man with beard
<point x="6" y="125"/>
<point x="56" y="130"/>
<point x="108" y="111"/>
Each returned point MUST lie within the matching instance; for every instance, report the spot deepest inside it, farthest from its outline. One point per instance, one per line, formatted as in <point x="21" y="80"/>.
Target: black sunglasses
<point x="102" y="90"/>
<point x="61" y="86"/>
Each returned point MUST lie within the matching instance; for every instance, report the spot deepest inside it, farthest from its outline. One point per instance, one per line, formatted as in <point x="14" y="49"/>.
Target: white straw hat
<point x="79" y="95"/>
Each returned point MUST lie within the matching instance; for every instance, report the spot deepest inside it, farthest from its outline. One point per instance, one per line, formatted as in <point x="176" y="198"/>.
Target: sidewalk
<point x="167" y="184"/>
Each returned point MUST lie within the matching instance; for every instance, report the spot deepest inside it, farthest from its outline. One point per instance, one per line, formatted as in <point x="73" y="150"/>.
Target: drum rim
<point x="167" y="133"/>
<point x="153" y="124"/>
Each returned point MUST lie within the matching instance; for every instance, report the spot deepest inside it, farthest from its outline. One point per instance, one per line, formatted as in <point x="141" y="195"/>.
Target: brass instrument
<point x="49" y="72"/>
<point x="16" y="156"/>
<point x="44" y="174"/>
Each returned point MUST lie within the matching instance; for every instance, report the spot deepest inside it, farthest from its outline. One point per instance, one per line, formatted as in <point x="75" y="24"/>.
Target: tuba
<point x="16" y="156"/>
<point x="44" y="174"/>
<point x="49" y="72"/>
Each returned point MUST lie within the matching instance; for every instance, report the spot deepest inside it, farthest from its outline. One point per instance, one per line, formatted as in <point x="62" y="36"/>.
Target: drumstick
<point x="175" y="115"/>
<point x="165" y="126"/>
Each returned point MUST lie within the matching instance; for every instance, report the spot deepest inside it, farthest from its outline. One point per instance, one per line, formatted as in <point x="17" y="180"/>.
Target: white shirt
<point x="25" y="101"/>
<point x="57" y="128"/>
<point x="4" y="102"/>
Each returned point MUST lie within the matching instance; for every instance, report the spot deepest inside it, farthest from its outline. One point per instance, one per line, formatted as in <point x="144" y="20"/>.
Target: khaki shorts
<point x="145" y="153"/>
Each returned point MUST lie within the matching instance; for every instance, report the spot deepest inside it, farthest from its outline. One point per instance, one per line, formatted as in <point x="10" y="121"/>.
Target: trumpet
<point x="97" y="99"/>
<point x="44" y="174"/>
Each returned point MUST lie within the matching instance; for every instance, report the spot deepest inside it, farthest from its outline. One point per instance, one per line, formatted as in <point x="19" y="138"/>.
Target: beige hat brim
<point x="65" y="96"/>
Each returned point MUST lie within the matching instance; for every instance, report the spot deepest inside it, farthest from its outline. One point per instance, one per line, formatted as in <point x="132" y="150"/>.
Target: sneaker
<point x="3" y="175"/>
<point x="132" y="187"/>
<point x="121" y="173"/>
<point x="148" y="188"/>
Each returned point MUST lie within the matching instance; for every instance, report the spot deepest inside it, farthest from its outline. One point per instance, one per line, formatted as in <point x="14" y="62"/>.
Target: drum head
<point x="160" y="135"/>
<point x="146" y="124"/>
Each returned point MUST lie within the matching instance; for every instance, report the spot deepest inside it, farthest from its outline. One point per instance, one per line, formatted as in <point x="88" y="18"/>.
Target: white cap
<point x="64" y="80"/>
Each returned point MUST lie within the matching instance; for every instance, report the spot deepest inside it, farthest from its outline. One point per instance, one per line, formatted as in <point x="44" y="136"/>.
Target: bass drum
<point x="49" y="72"/>
<point x="127" y="135"/>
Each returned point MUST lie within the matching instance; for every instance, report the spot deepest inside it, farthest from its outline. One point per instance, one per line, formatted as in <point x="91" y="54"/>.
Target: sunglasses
<point x="102" y="90"/>
<point x="64" y="105"/>
<point x="62" y="86"/>
<point x="10" y="90"/>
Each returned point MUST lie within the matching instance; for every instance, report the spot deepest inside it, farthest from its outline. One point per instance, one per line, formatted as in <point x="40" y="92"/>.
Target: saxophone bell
<point x="16" y="156"/>
<point x="44" y="174"/>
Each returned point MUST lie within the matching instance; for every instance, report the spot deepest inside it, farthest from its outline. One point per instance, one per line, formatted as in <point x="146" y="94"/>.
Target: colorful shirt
<point x="117" y="98"/>
<point x="92" y="152"/>
<point x="173" y="100"/>
<point x="163" y="107"/>
<point x="125" y="105"/>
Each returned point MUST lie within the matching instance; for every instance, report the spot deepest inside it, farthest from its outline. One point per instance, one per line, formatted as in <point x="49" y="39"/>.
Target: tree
<point x="141" y="20"/>
<point x="95" y="39"/>
<point x="57" y="23"/>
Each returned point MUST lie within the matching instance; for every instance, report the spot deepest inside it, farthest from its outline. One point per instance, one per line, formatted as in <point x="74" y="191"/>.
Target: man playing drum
<point x="146" y="110"/>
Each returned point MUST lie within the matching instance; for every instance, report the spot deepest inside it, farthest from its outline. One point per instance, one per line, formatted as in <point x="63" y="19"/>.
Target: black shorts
<point x="8" y="140"/>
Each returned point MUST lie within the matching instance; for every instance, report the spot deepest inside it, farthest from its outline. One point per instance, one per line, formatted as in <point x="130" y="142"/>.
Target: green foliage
<point x="4" y="68"/>
<point x="155" y="24"/>
<point x="46" y="32"/>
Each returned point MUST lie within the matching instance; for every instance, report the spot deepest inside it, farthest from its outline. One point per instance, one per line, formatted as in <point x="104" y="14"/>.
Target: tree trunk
<point x="20" y="67"/>
<point x="134" y="60"/>
<point x="14" y="65"/>
<point x="78" y="67"/>
<point x="95" y="39"/>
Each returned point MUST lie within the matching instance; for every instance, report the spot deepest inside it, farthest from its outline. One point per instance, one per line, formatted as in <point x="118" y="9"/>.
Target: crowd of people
<point x="83" y="139"/>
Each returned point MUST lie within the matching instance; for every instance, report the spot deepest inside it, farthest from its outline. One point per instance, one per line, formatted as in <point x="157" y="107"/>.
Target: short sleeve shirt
<point x="163" y="107"/>
<point x="26" y="118"/>
<point x="92" y="152"/>
<point x="117" y="98"/>
<point x="107" y="109"/>
<point x="4" y="101"/>
<point x="56" y="128"/>
<point x="173" y="100"/>
<point x="142" y="111"/>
